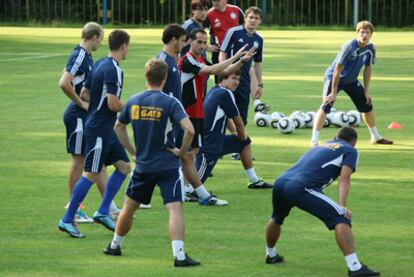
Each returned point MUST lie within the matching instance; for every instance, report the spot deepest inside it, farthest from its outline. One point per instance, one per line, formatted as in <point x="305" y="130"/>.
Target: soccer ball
<point x="261" y="119"/>
<point x="297" y="113"/>
<point x="340" y="119"/>
<point x="309" y="118"/>
<point x="354" y="118"/>
<point x="329" y="118"/>
<point x="286" y="125"/>
<point x="299" y="121"/>
<point x="274" y="118"/>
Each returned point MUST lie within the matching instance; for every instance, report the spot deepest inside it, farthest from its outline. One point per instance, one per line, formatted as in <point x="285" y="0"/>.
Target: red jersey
<point x="192" y="84"/>
<point x="221" y="22"/>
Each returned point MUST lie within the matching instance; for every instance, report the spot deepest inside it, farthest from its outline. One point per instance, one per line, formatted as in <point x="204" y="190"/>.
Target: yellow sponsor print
<point x="332" y="146"/>
<point x="135" y="112"/>
<point x="146" y="113"/>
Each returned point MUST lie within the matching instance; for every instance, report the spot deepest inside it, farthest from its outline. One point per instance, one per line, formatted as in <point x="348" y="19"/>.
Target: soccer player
<point x="219" y="108"/>
<point x="235" y="39"/>
<point x="199" y="10"/>
<point x="302" y="186"/>
<point x="77" y="69"/>
<point x="343" y="75"/>
<point x="151" y="114"/>
<point x="103" y="90"/>
<point x="174" y="37"/>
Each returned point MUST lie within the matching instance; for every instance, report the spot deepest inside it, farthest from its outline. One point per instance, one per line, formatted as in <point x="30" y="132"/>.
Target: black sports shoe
<point x="274" y="260"/>
<point x="111" y="251"/>
<point x="191" y="197"/>
<point x="363" y="271"/>
<point x="262" y="107"/>
<point x="186" y="262"/>
<point x="260" y="185"/>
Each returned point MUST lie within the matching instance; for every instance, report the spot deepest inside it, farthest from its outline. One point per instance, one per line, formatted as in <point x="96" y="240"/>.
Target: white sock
<point x="188" y="188"/>
<point x="315" y="136"/>
<point x="353" y="262"/>
<point x="178" y="249"/>
<point x="374" y="133"/>
<point x="202" y="192"/>
<point x="113" y="207"/>
<point x="116" y="241"/>
<point x="256" y="102"/>
<point x="271" y="251"/>
<point x="251" y="175"/>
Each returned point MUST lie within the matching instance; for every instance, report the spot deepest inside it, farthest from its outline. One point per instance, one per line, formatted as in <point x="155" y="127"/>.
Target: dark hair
<point x="224" y="76"/>
<point x="117" y="38"/>
<point x="347" y="134"/>
<point x="194" y="33"/>
<point x="156" y="71"/>
<point x="199" y="5"/>
<point x="172" y="31"/>
<point x="254" y="10"/>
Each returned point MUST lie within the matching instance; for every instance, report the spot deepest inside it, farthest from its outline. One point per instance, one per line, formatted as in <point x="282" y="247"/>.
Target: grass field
<point x="228" y="240"/>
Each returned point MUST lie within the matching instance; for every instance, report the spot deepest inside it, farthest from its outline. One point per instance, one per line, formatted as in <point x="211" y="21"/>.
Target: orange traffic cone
<point x="394" y="125"/>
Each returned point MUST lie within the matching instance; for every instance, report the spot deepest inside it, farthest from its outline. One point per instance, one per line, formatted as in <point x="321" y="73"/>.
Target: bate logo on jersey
<point x="146" y="113"/>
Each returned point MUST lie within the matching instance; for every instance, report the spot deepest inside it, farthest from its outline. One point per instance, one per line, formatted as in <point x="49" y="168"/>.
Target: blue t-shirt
<point x="235" y="39"/>
<point x="152" y="115"/>
<point x="78" y="65"/>
<point x="353" y="58"/>
<point x="106" y="78"/>
<point x="219" y="105"/>
<point x="172" y="86"/>
<point x="189" y="25"/>
<point x="321" y="165"/>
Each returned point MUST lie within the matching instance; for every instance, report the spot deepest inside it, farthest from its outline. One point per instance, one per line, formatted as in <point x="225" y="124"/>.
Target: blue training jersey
<point x="152" y="114"/>
<point x="106" y="78"/>
<point x="189" y="25"/>
<point x="219" y="105"/>
<point x="79" y="65"/>
<point x="172" y="86"/>
<point x="353" y="58"/>
<point x="321" y="165"/>
<point x="235" y="39"/>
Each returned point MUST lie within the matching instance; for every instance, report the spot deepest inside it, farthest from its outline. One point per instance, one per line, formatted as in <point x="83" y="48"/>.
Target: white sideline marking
<point x="32" y="58"/>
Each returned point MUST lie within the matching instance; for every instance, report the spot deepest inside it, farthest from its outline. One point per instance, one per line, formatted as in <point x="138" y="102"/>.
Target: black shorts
<point x="198" y="139"/>
<point x="355" y="91"/>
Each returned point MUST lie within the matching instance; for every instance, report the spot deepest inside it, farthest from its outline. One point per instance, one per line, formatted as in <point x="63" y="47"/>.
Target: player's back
<point x="322" y="164"/>
<point x="152" y="114"/>
<point x="172" y="86"/>
<point x="106" y="78"/>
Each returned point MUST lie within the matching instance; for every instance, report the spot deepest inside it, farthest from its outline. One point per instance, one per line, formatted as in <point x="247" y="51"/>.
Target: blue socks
<point x="78" y="194"/>
<point x="112" y="187"/>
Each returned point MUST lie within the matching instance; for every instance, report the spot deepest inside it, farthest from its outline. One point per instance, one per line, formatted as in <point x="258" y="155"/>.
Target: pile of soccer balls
<point x="298" y="120"/>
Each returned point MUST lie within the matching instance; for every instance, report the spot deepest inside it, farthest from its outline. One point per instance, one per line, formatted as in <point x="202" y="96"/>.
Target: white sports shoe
<point x="143" y="206"/>
<point x="81" y="217"/>
<point x="212" y="201"/>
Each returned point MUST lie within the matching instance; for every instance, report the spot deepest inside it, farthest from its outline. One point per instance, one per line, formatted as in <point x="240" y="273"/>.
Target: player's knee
<point x="124" y="167"/>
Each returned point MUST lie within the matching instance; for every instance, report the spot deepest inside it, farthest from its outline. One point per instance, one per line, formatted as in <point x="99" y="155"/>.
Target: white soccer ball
<point x="261" y="119"/>
<point x="354" y="118"/>
<point x="274" y="119"/>
<point x="340" y="119"/>
<point x="329" y="118"/>
<point x="297" y="113"/>
<point x="286" y="125"/>
<point x="298" y="120"/>
<point x="309" y="118"/>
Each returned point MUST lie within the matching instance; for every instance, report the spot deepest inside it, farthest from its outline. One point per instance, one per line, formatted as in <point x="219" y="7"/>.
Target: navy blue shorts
<point x="206" y="162"/>
<point x="288" y="194"/>
<point x="242" y="97"/>
<point x="102" y="151"/>
<point x="75" y="142"/>
<point x="354" y="90"/>
<point x="171" y="183"/>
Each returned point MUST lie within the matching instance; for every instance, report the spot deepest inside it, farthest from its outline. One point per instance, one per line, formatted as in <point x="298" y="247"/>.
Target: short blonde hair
<point x="156" y="71"/>
<point x="365" y="25"/>
<point x="90" y="30"/>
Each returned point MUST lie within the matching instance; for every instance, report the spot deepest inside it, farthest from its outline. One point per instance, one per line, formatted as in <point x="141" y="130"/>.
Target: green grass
<point x="230" y="240"/>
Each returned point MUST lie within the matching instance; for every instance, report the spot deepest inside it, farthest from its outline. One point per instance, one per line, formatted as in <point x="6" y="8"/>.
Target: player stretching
<point x="103" y="88"/>
<point x="152" y="114"/>
<point x="71" y="82"/>
<point x="302" y="186"/>
<point x="343" y="75"/>
<point x="220" y="107"/>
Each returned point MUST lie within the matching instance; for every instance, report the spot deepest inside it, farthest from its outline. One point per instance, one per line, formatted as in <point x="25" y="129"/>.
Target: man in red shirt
<point x="194" y="68"/>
